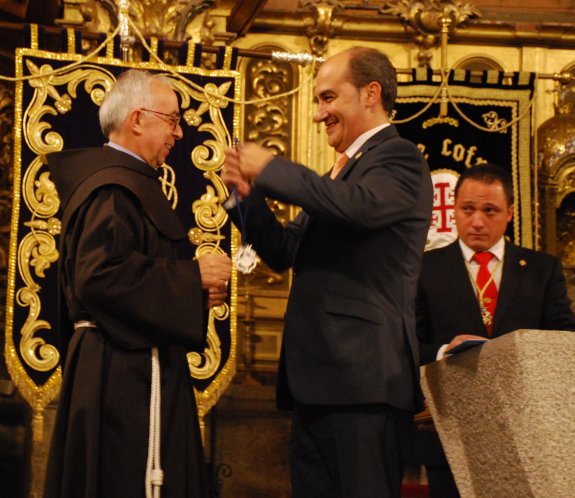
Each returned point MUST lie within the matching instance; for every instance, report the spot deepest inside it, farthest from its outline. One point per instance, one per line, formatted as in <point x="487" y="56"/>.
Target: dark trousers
<point x="348" y="451"/>
<point x="441" y="482"/>
<point x="428" y="451"/>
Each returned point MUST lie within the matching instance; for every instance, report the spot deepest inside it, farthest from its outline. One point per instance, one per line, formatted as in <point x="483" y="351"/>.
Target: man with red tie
<point x="482" y="286"/>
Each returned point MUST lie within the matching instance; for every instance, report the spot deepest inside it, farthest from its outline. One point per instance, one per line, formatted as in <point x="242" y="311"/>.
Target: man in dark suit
<point x="349" y="364"/>
<point x="454" y="304"/>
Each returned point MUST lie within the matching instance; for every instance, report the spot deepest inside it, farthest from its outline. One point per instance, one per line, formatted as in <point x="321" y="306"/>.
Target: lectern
<point x="505" y="414"/>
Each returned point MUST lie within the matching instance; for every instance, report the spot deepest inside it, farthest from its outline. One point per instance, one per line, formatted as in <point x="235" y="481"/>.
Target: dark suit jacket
<point x="532" y="295"/>
<point x="356" y="251"/>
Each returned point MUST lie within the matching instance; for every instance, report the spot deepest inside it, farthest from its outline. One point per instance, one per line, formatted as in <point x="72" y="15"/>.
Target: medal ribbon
<point x="241" y="215"/>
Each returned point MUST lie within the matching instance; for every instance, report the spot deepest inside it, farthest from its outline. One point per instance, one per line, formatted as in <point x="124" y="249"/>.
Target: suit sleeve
<point x="428" y="345"/>
<point x="275" y="243"/>
<point x="557" y="313"/>
<point x="385" y="193"/>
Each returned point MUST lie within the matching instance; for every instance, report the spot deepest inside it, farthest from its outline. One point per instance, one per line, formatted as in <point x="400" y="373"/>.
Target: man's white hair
<point x="132" y="90"/>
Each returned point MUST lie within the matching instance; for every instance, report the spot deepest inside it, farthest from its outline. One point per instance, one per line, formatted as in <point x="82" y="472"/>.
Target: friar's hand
<point x="216" y="297"/>
<point x="216" y="270"/>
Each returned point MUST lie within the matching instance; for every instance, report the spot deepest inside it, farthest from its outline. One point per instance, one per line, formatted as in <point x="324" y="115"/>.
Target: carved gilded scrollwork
<point x="158" y="18"/>
<point x="322" y="24"/>
<point x="557" y="134"/>
<point x="427" y="18"/>
<point x="268" y="122"/>
<point x="96" y="82"/>
<point x="209" y="215"/>
<point x="37" y="250"/>
<point x="566" y="234"/>
<point x="171" y="20"/>
<point x="566" y="181"/>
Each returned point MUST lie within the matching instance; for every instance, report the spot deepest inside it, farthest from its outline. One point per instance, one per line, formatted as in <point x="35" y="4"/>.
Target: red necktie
<point x="486" y="290"/>
<point x="338" y="166"/>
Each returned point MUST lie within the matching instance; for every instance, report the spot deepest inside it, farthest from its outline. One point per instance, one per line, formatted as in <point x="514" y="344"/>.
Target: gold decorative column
<point x="556" y="163"/>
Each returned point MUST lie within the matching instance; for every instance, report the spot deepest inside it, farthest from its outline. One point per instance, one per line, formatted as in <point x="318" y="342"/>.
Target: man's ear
<point x="373" y="92"/>
<point x="509" y="213"/>
<point x="134" y="121"/>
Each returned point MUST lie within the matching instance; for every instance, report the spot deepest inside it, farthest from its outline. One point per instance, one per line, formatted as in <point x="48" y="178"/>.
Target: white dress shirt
<point x="495" y="265"/>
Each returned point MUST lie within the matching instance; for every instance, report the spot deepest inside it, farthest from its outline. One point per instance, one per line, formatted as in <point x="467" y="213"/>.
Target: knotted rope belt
<point x="154" y="473"/>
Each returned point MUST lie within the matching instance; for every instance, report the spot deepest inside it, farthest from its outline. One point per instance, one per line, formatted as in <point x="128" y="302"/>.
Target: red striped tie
<point x="486" y="290"/>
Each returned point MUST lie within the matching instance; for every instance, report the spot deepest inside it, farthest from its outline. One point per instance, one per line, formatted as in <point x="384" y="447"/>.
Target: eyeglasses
<point x="172" y="119"/>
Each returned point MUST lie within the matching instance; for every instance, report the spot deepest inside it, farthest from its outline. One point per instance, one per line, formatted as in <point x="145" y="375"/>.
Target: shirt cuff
<point x="441" y="352"/>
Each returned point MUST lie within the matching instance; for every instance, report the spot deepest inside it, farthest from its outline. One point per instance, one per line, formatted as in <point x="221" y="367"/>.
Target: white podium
<point x="505" y="414"/>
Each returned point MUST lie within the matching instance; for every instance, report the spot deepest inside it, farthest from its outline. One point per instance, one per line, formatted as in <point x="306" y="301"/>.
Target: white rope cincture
<point x="81" y="324"/>
<point x="154" y="472"/>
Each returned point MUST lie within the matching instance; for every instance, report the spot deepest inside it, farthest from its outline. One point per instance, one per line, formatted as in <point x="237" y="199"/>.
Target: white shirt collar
<point x="497" y="249"/>
<point x="123" y="149"/>
<point x="364" y="137"/>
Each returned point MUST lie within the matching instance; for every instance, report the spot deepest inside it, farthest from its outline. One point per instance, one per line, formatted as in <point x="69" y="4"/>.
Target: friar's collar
<point x="78" y="172"/>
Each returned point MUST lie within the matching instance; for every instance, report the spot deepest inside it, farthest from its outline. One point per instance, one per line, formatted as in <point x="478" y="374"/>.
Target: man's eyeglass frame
<point x="172" y="119"/>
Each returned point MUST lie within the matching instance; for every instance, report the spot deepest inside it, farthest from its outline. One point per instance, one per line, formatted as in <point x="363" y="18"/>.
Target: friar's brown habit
<point x="119" y="269"/>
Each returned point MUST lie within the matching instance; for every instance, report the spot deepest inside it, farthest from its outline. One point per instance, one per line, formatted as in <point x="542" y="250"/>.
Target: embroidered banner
<point x="486" y="119"/>
<point x="56" y="111"/>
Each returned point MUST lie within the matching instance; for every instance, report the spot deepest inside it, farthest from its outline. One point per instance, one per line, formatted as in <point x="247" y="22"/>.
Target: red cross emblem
<point x="442" y="230"/>
<point x="442" y="218"/>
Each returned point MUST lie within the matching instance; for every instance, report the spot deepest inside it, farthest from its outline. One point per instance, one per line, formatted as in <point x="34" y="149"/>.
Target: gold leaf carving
<point x="209" y="156"/>
<point x="204" y="365"/>
<point x="168" y="181"/>
<point x="36" y="132"/>
<point x="268" y="122"/>
<point x="37" y="250"/>
<point x="36" y="253"/>
<point x="209" y="215"/>
<point x="208" y="212"/>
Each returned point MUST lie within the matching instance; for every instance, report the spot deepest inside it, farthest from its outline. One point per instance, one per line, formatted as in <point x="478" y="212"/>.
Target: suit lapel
<point x="455" y="271"/>
<point x="303" y="220"/>
<point x="382" y="135"/>
<point x="511" y="277"/>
